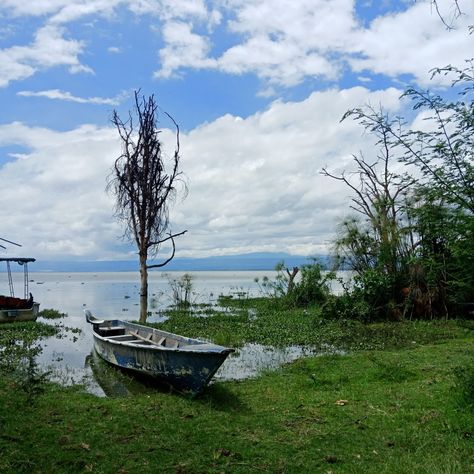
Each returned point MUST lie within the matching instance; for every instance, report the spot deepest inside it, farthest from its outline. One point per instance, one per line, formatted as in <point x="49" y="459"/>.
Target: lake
<point x="116" y="296"/>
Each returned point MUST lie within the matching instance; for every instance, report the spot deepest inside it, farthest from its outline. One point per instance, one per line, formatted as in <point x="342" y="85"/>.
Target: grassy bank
<point x="406" y="408"/>
<point x="391" y="411"/>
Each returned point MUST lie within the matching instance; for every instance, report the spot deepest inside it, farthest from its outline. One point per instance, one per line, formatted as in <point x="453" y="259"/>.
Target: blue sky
<point x="258" y="88"/>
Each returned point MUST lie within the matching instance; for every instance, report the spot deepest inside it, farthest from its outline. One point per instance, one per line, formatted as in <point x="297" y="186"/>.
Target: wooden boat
<point x="186" y="364"/>
<point x="18" y="309"/>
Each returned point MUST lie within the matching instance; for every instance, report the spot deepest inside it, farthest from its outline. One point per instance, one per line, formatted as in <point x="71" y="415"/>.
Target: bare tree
<point x="449" y="18"/>
<point x="143" y="186"/>
<point x="380" y="197"/>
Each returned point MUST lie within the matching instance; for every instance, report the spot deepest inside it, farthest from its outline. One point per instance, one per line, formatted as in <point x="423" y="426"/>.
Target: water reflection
<point x="247" y="362"/>
<point x="116" y="296"/>
<point x="252" y="359"/>
<point x="114" y="382"/>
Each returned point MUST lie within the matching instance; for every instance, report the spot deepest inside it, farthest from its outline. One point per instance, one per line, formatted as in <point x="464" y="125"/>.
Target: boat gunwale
<point x="188" y="348"/>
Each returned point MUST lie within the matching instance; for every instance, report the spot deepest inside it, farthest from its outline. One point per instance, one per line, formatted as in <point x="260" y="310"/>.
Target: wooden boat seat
<point x="111" y="331"/>
<point x="172" y="343"/>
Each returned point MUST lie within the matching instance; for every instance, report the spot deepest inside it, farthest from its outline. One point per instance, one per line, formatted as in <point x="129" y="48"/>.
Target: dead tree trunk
<point x="145" y="185"/>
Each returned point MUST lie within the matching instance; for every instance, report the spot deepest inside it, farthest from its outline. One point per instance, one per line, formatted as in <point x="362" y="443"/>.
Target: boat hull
<point x="188" y="368"/>
<point x="11" y="315"/>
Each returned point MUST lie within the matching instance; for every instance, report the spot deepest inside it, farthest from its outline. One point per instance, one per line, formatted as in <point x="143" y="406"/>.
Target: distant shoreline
<point x="247" y="262"/>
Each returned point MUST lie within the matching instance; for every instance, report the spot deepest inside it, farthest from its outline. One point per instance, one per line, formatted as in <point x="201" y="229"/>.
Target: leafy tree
<point x="378" y="243"/>
<point x="440" y="212"/>
<point x="143" y="187"/>
<point x="444" y="152"/>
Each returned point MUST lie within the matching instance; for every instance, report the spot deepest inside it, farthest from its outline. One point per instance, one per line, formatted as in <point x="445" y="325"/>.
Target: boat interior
<point x="123" y="334"/>
<point x="16" y="303"/>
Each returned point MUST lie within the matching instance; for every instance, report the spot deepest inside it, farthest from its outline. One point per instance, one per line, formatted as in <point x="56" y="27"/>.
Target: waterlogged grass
<point x="20" y="344"/>
<point x="267" y="322"/>
<point x="372" y="411"/>
<point x="50" y="313"/>
<point x="27" y="332"/>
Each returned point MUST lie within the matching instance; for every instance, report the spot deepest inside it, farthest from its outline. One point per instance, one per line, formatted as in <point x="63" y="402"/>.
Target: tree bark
<point x="143" y="289"/>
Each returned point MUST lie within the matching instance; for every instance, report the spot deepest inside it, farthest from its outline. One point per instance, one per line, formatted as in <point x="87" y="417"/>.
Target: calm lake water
<point x="116" y="296"/>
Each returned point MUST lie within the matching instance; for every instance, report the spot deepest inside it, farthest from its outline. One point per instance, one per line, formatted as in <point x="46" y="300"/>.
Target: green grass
<point x="390" y="411"/>
<point x="404" y="406"/>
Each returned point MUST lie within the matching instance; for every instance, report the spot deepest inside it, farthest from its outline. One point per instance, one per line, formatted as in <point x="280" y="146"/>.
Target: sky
<point x="258" y="88"/>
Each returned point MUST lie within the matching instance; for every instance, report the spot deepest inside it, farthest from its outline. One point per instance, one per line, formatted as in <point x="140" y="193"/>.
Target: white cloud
<point x="55" y="202"/>
<point x="36" y="8"/>
<point x="66" y="11"/>
<point x="286" y="42"/>
<point x="254" y="183"/>
<point x="282" y="42"/>
<point x="276" y="61"/>
<point x="57" y="94"/>
<point x="184" y="48"/>
<point x="48" y="49"/>
<point x="412" y="42"/>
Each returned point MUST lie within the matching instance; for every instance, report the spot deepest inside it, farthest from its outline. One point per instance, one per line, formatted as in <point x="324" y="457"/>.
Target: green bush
<point x="313" y="287"/>
<point x="348" y="306"/>
<point x="370" y="299"/>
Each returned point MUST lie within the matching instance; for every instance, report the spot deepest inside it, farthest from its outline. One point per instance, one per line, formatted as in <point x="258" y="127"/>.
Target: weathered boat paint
<point x="18" y="309"/>
<point x="11" y="315"/>
<point x="186" y="364"/>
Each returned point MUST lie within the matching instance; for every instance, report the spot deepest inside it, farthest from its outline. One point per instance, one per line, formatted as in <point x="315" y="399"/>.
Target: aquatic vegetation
<point x="19" y="348"/>
<point x="50" y="313"/>
<point x="271" y="323"/>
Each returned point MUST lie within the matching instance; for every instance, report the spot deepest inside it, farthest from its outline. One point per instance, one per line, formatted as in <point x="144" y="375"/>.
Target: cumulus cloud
<point x="282" y="42"/>
<point x="386" y="48"/>
<point x="55" y="202"/>
<point x="183" y="48"/>
<point x="48" y="49"/>
<point x="36" y="8"/>
<point x="254" y="183"/>
<point x="286" y="42"/>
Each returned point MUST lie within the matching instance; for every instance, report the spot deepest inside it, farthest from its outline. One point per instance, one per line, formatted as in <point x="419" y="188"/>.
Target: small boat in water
<point x="18" y="309"/>
<point x="186" y="364"/>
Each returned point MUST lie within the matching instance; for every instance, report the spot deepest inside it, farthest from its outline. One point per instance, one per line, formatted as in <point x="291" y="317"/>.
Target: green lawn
<point x="392" y="410"/>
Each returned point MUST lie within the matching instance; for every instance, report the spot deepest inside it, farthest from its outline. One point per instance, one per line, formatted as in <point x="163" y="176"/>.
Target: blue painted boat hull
<point x="186" y="364"/>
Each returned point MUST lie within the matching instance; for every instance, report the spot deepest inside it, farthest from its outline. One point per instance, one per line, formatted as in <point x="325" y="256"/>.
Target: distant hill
<point x="251" y="261"/>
